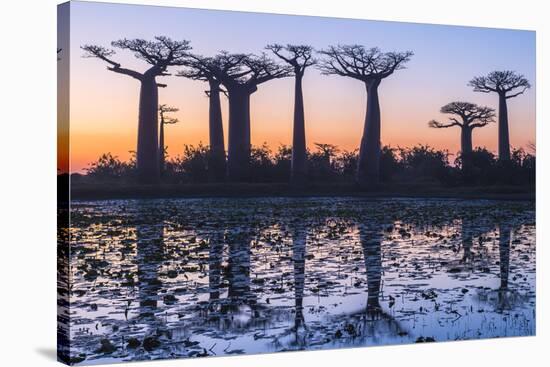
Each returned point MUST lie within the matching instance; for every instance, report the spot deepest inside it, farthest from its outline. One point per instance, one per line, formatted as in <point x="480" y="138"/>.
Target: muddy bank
<point x="118" y="190"/>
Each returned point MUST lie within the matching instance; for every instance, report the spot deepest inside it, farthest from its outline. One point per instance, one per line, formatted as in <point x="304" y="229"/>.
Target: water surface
<point x="172" y="278"/>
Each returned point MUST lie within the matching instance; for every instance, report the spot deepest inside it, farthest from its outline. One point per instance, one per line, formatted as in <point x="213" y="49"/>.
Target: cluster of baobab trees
<point x="239" y="75"/>
<point x="468" y="116"/>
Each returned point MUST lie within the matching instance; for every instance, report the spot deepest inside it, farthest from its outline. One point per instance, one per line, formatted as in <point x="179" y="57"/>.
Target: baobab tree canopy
<point x="470" y="114"/>
<point x="163" y="110"/>
<point x="500" y="82"/>
<point x="358" y="62"/>
<point x="245" y="70"/>
<point x="299" y="57"/>
<point x="160" y="54"/>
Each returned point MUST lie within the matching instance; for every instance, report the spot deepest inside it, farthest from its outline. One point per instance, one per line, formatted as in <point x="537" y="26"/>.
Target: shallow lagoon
<point x="202" y="277"/>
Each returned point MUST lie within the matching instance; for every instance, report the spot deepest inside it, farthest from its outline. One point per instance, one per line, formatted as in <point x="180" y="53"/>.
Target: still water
<point x="156" y="279"/>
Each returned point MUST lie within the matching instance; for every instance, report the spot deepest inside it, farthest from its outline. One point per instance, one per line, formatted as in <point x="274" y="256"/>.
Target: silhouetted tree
<point x="321" y="162"/>
<point x="470" y="116"/>
<point x="241" y="74"/>
<point x="159" y="54"/>
<point x="369" y="66"/>
<point x="327" y="151"/>
<point x="164" y="120"/>
<point x="299" y="57"/>
<point x="197" y="68"/>
<point x="505" y="84"/>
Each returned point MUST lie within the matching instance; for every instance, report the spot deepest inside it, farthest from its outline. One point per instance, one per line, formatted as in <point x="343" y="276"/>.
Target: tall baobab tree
<point x="197" y="69"/>
<point x="164" y="120"/>
<point x="467" y="116"/>
<point x="369" y="66"/>
<point x="299" y="57"/>
<point x="241" y="74"/>
<point x="507" y="84"/>
<point x="159" y="55"/>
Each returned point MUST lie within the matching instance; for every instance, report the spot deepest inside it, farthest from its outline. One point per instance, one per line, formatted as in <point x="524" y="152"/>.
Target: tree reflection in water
<point x="155" y="279"/>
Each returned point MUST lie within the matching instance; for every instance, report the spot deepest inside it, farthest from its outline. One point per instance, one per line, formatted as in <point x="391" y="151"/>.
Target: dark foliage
<point x="417" y="165"/>
<point x="486" y="169"/>
<point x="111" y="167"/>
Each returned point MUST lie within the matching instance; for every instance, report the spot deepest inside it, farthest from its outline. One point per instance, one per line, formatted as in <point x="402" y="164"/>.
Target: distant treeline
<point x="327" y="163"/>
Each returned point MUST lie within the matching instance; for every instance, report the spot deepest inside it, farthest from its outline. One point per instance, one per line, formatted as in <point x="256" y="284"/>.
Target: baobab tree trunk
<point x="238" y="153"/>
<point x="147" y="146"/>
<point x="217" y="146"/>
<point x="503" y="134"/>
<point x="161" y="149"/>
<point x="368" y="165"/>
<point x="299" y="159"/>
<point x="466" y="146"/>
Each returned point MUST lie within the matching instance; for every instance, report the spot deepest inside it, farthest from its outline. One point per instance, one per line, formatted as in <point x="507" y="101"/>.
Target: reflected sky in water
<point x="157" y="279"/>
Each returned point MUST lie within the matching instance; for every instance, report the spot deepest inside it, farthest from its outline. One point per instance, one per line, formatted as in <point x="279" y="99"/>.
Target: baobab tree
<point x="241" y="74"/>
<point x="369" y="66"/>
<point x="467" y="116"/>
<point x="164" y="120"/>
<point x="327" y="152"/>
<point x="159" y="55"/>
<point x="507" y="84"/>
<point x="299" y="57"/>
<point x="197" y="69"/>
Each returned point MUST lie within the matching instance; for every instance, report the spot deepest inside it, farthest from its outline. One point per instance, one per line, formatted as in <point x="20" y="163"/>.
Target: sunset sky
<point x="104" y="105"/>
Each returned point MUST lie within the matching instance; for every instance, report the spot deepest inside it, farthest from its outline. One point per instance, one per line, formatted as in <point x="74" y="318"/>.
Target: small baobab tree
<point x="159" y="55"/>
<point x="299" y="57"/>
<point x="198" y="68"/>
<point x="164" y="120"/>
<point x="467" y="116"/>
<point x="327" y="152"/>
<point x="369" y="66"/>
<point x="507" y="84"/>
<point x="241" y="74"/>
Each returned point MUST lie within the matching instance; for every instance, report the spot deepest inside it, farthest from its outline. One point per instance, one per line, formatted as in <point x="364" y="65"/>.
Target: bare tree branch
<point x="161" y="53"/>
<point x="500" y="82"/>
<point x="358" y="62"/>
<point x="298" y="56"/>
<point x="439" y="125"/>
<point x="163" y="110"/>
<point x="471" y="115"/>
<point x="105" y="54"/>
